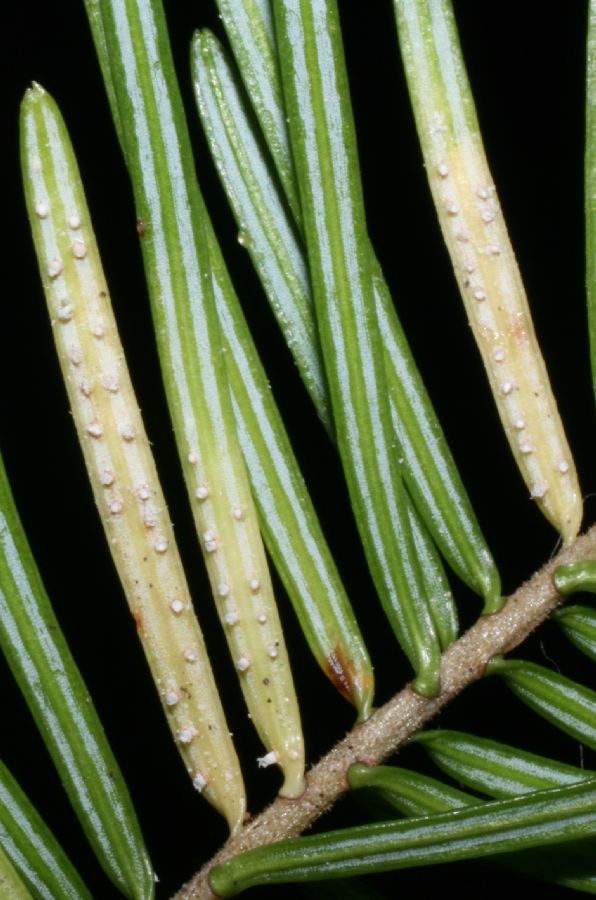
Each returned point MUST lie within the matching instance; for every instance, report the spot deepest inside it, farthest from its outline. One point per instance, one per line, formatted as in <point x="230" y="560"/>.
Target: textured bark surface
<point x="391" y="725"/>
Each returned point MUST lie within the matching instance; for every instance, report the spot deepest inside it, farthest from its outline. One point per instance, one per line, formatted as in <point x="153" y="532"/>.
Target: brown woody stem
<point x="391" y="725"/>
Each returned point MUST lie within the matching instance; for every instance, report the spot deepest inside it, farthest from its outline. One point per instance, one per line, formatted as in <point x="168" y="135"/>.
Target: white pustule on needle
<point x="498" y="311"/>
<point x="120" y="463"/>
<point x="483" y="260"/>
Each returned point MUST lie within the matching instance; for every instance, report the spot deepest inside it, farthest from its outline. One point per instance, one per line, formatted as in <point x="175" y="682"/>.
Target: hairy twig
<point x="390" y="726"/>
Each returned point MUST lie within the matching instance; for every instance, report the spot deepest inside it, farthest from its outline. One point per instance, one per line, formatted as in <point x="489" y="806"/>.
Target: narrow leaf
<point x="411" y="794"/>
<point x="33" y="849"/>
<point x="250" y="29"/>
<point x="476" y="236"/>
<point x="493" y="768"/>
<point x="441" y="604"/>
<point x="579" y="624"/>
<point x="178" y="274"/>
<point x="541" y="818"/>
<point x="282" y="267"/>
<point x="119" y="459"/>
<point x="94" y="17"/>
<point x="268" y="234"/>
<point x="323" y="144"/>
<point x="288" y="519"/>
<point x="265" y="225"/>
<point x="45" y="671"/>
<point x="568" y="705"/>
<point x="428" y="467"/>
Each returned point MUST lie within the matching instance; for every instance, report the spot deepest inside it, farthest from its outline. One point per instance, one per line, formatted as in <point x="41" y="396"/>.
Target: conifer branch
<point x="391" y="725"/>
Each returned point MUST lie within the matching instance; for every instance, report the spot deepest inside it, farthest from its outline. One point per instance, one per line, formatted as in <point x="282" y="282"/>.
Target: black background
<point x="526" y="63"/>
